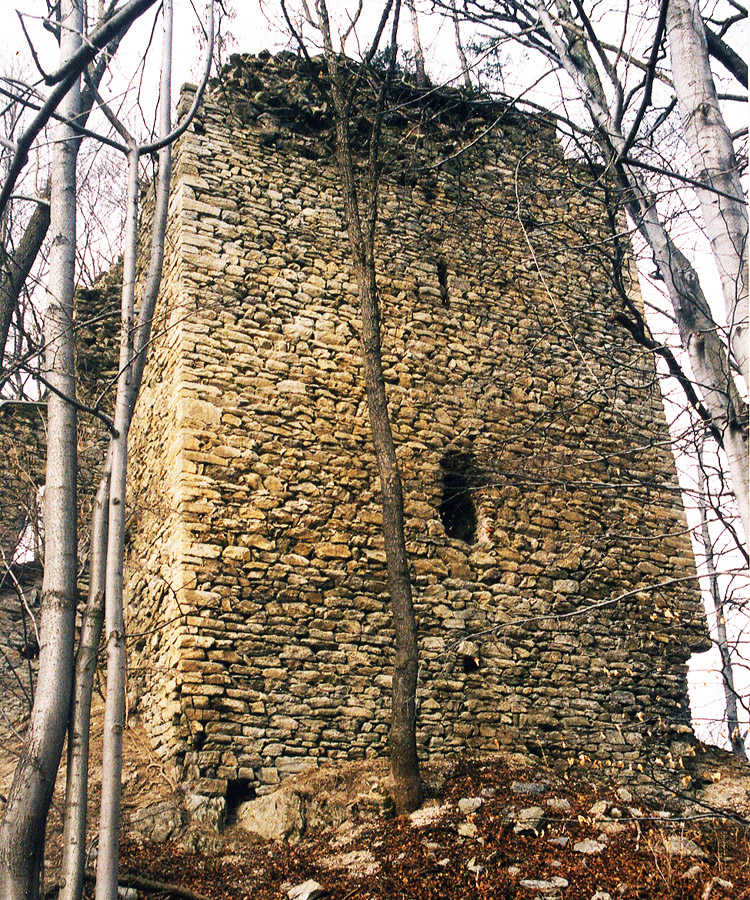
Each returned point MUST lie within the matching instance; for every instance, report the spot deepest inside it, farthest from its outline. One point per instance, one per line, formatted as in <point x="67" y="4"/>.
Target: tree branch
<point x="65" y="78"/>
<point x="724" y="54"/>
<point x="183" y="126"/>
<point x="82" y="407"/>
<point x="650" y="73"/>
<point x="14" y="269"/>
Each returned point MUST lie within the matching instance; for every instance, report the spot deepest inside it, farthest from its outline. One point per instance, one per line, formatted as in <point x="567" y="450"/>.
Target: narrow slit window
<point x="457" y="511"/>
<point x="442" y="274"/>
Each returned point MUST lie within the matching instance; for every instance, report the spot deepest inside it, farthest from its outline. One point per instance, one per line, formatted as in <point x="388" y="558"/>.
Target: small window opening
<point x="29" y="648"/>
<point x="239" y="791"/>
<point x="407" y="178"/>
<point x="471" y="664"/>
<point x="457" y="511"/>
<point x="442" y="274"/>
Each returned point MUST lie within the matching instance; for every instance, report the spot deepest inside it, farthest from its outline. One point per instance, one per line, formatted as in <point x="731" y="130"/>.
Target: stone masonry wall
<point x="22" y="443"/>
<point x="550" y="561"/>
<point x="23" y="428"/>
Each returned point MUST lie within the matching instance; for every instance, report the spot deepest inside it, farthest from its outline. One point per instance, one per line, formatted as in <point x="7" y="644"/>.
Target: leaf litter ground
<point x="450" y="851"/>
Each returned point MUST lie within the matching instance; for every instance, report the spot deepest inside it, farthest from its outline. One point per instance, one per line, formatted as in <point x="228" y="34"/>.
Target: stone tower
<point x="549" y="554"/>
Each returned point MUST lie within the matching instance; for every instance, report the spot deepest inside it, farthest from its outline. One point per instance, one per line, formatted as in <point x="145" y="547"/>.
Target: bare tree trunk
<point x="72" y="870"/>
<point x="715" y="165"/>
<point x="403" y="744"/>
<point x="460" y="46"/>
<point x="722" y="641"/>
<point x="114" y="716"/>
<point x="15" y="268"/>
<point x="698" y="331"/>
<point x="22" y="832"/>
<point x="133" y="346"/>
<point x="403" y="741"/>
<point x="417" y="41"/>
<point x="705" y="350"/>
<point x="77" y="783"/>
<point x="76" y="788"/>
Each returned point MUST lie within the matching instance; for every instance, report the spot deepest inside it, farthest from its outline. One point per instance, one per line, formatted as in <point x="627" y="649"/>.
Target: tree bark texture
<point x="22" y="832"/>
<point x="698" y="332"/>
<point x="402" y="741"/>
<point x="722" y="639"/>
<point x="417" y="41"/>
<point x="72" y="870"/>
<point x="114" y="715"/>
<point x="460" y="47"/>
<point x="134" y="339"/>
<point x="714" y="164"/>
<point x="705" y="350"/>
<point x="15" y="269"/>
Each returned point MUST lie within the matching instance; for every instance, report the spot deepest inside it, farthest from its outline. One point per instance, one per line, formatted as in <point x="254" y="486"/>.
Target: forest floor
<point x="489" y="829"/>
<point x="500" y="827"/>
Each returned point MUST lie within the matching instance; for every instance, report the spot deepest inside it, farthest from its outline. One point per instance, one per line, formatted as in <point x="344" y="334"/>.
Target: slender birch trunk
<point x="133" y="347"/>
<point x="76" y="787"/>
<point x="722" y="639"/>
<point x="698" y="332"/>
<point x="72" y="869"/>
<point x="715" y="164"/>
<point x="114" y="715"/>
<point x="76" y="783"/>
<point x="460" y="47"/>
<point x="417" y="41"/>
<point x="705" y="350"/>
<point x="22" y="832"/>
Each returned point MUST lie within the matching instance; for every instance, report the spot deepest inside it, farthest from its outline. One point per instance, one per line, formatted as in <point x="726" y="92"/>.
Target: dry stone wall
<point x="550" y="563"/>
<point x="23" y="428"/>
<point x="23" y="445"/>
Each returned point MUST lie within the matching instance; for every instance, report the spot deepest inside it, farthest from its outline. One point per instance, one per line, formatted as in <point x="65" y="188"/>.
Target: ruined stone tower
<point x="549" y="554"/>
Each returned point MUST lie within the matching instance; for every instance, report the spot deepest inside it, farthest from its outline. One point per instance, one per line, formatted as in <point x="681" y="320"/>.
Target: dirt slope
<point x="492" y="829"/>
